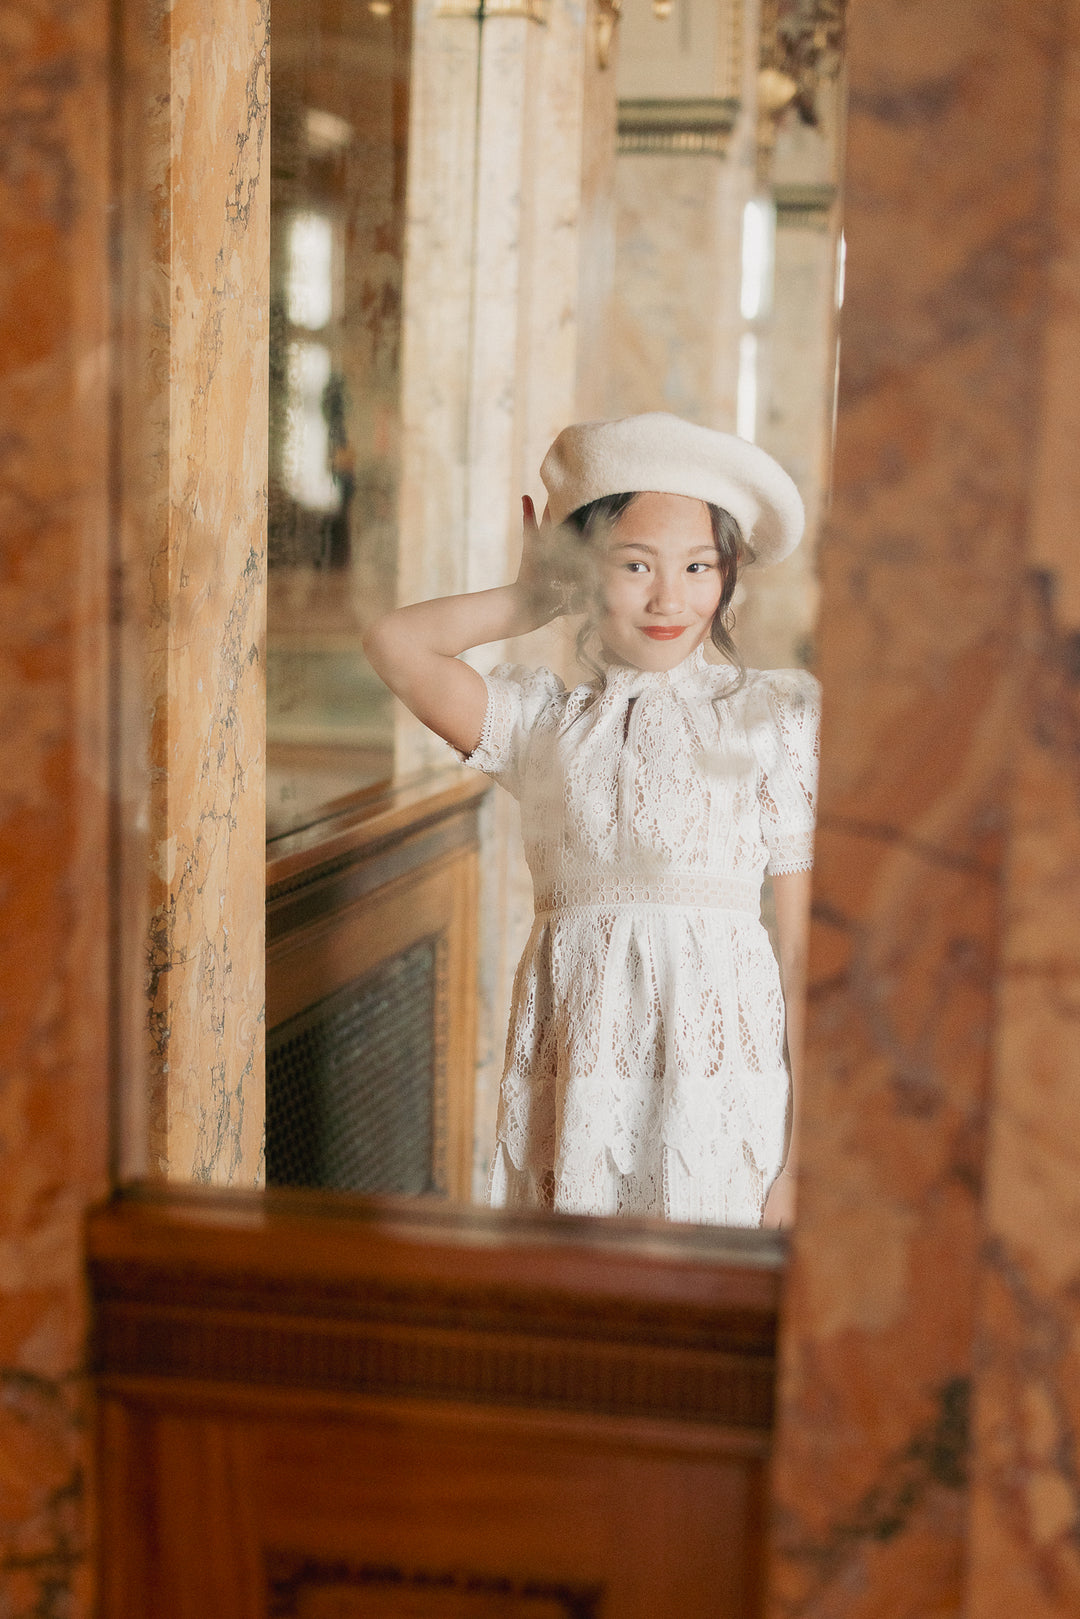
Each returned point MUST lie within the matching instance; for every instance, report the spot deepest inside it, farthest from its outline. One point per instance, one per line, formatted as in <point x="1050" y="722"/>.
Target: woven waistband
<point x="696" y="891"/>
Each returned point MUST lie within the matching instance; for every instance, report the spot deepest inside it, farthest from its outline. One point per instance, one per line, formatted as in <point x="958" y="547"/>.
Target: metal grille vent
<point x="350" y="1084"/>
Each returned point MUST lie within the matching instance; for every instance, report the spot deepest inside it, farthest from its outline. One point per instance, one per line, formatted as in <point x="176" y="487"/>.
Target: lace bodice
<point x="644" y="1060"/>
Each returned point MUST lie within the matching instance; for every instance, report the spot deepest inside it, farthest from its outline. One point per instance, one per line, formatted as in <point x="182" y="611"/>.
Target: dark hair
<point x="731" y="549"/>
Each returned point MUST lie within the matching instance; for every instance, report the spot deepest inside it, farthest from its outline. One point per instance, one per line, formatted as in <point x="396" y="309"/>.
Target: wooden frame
<point x="311" y="1404"/>
<point x="349" y="894"/>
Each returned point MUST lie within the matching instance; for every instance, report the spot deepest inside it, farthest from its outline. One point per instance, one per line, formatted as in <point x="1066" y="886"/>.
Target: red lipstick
<point x="664" y="632"/>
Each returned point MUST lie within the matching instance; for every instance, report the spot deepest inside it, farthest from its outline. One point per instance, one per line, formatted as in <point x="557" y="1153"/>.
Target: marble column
<point x="54" y="778"/>
<point x="1024" y="1552"/>
<point x="209" y="179"/>
<point x="675" y="327"/>
<point x="507" y="120"/>
<point x="436" y="323"/>
<point x="947" y="200"/>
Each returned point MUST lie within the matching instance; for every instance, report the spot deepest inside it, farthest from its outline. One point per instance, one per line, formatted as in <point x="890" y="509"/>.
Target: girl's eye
<point x="634" y="566"/>
<point x="703" y="567"/>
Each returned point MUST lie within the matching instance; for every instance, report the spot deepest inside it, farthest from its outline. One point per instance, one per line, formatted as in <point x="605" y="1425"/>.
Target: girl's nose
<point x="667" y="596"/>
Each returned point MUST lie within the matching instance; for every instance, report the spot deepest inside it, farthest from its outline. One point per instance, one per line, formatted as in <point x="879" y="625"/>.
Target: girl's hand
<point x="539" y="576"/>
<point x="780" y="1203"/>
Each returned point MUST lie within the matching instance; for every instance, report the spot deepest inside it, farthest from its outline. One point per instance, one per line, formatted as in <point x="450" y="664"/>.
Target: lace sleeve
<point x="788" y="783"/>
<point x="516" y="698"/>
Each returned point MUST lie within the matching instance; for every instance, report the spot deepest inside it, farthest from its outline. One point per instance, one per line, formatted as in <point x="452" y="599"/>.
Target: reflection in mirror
<point x="339" y="124"/>
<point x="688" y="264"/>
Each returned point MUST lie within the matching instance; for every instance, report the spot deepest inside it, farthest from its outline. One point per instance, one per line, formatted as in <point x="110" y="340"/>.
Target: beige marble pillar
<point x="503" y="136"/>
<point x="679" y="200"/>
<point x="596" y="224"/>
<point x="677" y="325"/>
<point x="437" y="301"/>
<point x="209" y="157"/>
<point x="777" y="612"/>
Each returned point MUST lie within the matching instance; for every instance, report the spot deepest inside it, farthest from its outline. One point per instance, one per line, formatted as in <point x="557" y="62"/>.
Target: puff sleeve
<point x="518" y="698"/>
<point x="787" y="733"/>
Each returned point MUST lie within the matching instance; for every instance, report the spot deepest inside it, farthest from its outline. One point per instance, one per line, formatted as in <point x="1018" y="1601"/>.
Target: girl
<point x="645" y="1059"/>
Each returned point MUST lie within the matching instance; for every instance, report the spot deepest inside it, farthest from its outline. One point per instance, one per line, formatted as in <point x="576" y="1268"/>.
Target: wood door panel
<point x="313" y="1406"/>
<point x="271" y="1514"/>
<point x="434" y="902"/>
<point x="652" y="1530"/>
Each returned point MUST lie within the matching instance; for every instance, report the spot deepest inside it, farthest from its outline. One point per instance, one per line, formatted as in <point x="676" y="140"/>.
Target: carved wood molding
<point x="405" y="819"/>
<point x="283" y="1292"/>
<point x="360" y="1589"/>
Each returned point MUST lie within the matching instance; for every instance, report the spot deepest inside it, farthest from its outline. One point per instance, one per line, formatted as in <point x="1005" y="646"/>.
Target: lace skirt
<point x="644" y="1066"/>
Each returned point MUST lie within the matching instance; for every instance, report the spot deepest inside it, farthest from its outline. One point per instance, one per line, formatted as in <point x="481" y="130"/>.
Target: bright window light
<point x="326" y="132"/>
<point x="306" y="449"/>
<point x="746" y="395"/>
<point x="309" y="285"/>
<point x="841" y="269"/>
<point x="759" y="224"/>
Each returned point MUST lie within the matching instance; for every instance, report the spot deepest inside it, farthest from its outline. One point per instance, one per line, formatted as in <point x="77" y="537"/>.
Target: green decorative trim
<point x="699" y="126"/>
<point x="803" y="203"/>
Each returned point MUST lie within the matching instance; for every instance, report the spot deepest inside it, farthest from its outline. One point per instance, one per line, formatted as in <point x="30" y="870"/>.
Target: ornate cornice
<point x="702" y="125"/>
<point x="801" y="48"/>
<point x="452" y="1305"/>
<point x="531" y="10"/>
<point x="803" y="40"/>
<point x="803" y="204"/>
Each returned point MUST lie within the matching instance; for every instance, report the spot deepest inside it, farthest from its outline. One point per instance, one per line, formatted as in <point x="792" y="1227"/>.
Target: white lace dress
<point x="644" y="1061"/>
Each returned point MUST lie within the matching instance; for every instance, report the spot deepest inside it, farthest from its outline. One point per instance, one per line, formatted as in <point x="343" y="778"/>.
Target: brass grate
<point x="350" y="1084"/>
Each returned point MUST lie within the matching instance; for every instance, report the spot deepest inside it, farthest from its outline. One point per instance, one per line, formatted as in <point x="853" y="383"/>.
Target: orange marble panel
<point x="54" y="860"/>
<point x="1025" y="1502"/>
<point x="210" y="178"/>
<point x="946" y="207"/>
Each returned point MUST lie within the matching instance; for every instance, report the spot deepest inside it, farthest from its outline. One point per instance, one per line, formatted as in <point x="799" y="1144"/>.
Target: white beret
<point x="662" y="453"/>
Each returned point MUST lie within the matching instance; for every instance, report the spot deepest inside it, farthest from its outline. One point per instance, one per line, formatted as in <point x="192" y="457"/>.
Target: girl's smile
<point x="660" y="581"/>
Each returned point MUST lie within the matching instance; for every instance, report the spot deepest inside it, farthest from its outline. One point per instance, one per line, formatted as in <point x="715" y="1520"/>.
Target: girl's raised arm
<point x="415" y="650"/>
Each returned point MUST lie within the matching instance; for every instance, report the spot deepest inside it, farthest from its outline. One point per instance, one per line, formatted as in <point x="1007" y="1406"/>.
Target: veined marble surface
<point x="207" y="616"/>
<point x="1025" y="1498"/>
<point x="511" y="126"/>
<point x="897" y="1310"/>
<point x="54" y="861"/>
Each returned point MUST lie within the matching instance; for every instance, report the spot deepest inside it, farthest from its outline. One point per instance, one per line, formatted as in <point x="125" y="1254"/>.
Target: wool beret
<point x="661" y="453"/>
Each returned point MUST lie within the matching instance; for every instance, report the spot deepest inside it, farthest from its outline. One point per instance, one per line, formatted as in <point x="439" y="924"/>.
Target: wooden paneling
<point x="313" y="1406"/>
<point x="361" y="889"/>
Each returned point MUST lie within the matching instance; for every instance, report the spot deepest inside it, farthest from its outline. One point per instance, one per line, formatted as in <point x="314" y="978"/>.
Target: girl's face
<point x="659" y="581"/>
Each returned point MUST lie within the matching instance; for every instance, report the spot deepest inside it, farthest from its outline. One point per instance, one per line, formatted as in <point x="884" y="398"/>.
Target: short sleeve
<point x="517" y="697"/>
<point x="788" y="755"/>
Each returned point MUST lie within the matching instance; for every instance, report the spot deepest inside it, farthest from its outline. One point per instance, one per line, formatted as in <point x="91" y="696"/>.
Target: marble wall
<point x="678" y="330"/>
<point x="1024" y="1552"/>
<point x="678" y="219"/>
<point x="54" y="774"/>
<point x="508" y="246"/>
<point x="209" y="183"/>
<point x="934" y="1263"/>
<point x="676" y="302"/>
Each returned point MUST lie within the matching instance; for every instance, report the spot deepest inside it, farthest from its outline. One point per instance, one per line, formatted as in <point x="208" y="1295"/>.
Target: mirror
<point x="339" y="144"/>
<point x="482" y="228"/>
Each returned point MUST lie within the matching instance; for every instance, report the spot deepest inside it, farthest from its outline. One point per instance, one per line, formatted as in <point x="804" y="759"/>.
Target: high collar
<point x="623" y="680"/>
